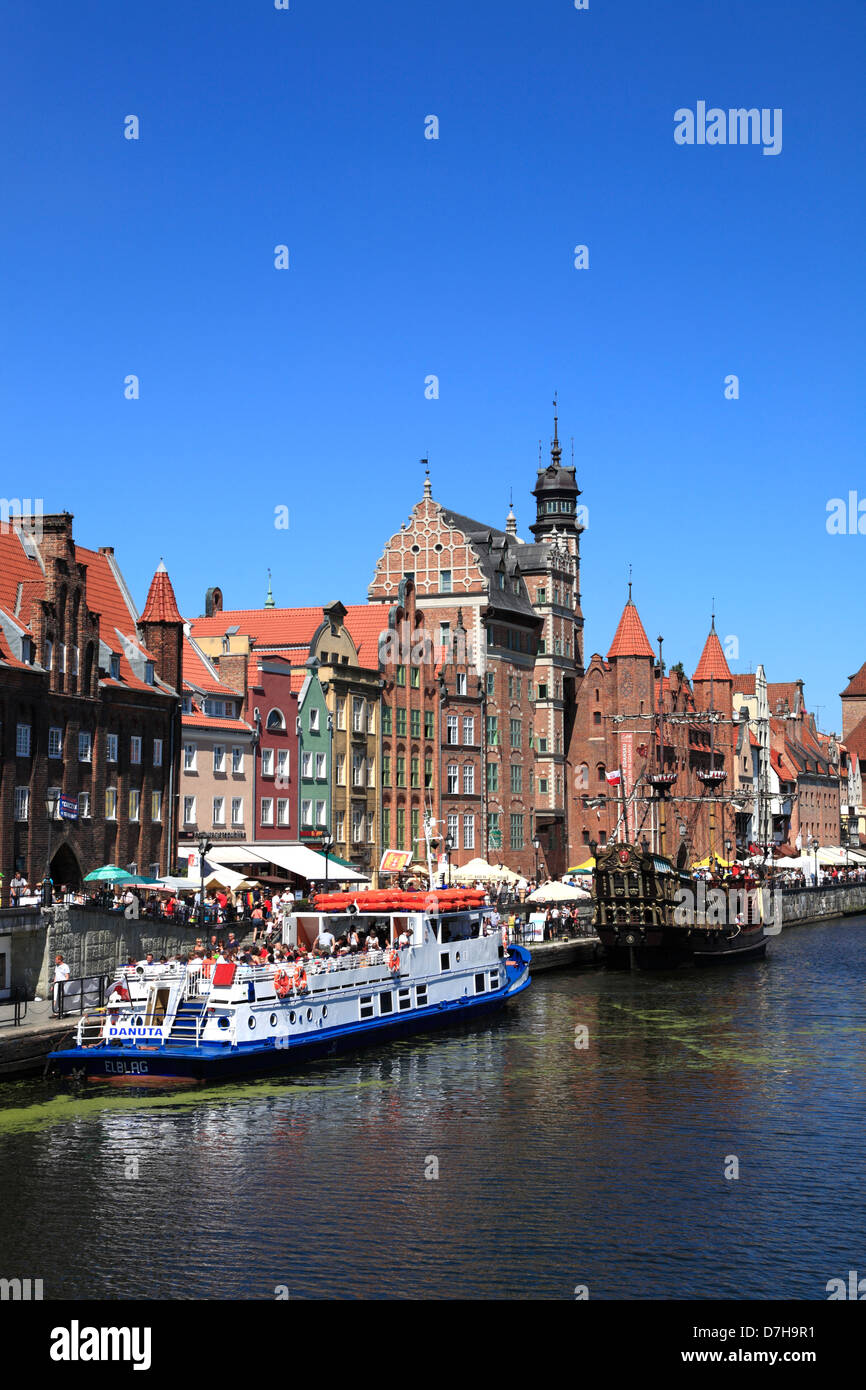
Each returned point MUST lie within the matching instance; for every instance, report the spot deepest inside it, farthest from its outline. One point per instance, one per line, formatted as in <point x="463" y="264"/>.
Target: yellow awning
<point x="583" y="868"/>
<point x="707" y="862"/>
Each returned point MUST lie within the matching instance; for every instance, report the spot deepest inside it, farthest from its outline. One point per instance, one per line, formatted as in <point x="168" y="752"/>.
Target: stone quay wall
<point x="91" y="943"/>
<point x="813" y="904"/>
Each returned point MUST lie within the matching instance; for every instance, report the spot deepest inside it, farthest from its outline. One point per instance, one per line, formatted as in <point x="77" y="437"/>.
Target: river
<point x="578" y="1142"/>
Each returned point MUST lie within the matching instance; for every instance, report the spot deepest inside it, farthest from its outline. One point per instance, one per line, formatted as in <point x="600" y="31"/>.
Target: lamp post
<point x="449" y="845"/>
<point x="536" y="845"/>
<point x="51" y="804"/>
<point x="204" y="847"/>
<point x="327" y="846"/>
<point x="814" y="844"/>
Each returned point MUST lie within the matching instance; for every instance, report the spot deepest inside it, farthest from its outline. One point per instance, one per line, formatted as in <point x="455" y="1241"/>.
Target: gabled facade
<point x="315" y="737"/>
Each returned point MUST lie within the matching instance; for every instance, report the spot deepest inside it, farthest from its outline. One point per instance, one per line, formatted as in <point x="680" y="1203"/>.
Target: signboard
<point x="494" y="839"/>
<point x="313" y="832"/>
<point x="68" y="808"/>
<point x="534" y="929"/>
<point x="627" y="759"/>
<point x="394" y="861"/>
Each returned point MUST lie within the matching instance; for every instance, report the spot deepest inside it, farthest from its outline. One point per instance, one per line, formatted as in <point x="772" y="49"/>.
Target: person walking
<point x="61" y="976"/>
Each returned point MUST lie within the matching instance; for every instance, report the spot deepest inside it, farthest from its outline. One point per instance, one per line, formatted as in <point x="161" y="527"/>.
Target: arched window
<point x="581" y="777"/>
<point x="601" y="773"/>
<point x="276" y="722"/>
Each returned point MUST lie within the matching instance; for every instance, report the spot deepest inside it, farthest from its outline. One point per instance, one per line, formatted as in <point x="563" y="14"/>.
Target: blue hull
<point x="211" y="1062"/>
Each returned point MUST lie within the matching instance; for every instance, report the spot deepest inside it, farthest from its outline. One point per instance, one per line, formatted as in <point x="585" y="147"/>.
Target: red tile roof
<point x="365" y="623"/>
<point x="744" y="684"/>
<point x="201" y="721"/>
<point x="712" y="662"/>
<point x="856" y="740"/>
<point x="270" y="627"/>
<point x="856" y="683"/>
<point x="630" y="638"/>
<point x="784" y="691"/>
<point x="160" y="605"/>
<point x="198" y="673"/>
<point x="18" y="568"/>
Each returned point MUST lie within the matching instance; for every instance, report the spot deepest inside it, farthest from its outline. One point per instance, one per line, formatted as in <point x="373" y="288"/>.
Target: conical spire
<point x="269" y="601"/>
<point x="161" y="604"/>
<point x="630" y="638"/>
<point x="712" y="665"/>
<point x="556" y="447"/>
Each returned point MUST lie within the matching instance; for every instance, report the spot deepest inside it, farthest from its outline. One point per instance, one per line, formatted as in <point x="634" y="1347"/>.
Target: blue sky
<point x="304" y="388"/>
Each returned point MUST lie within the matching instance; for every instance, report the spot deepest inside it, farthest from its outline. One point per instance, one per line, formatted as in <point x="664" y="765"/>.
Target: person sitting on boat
<point x="325" y="941"/>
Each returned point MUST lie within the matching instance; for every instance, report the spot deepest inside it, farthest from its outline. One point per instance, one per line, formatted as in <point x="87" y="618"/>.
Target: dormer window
<point x="148" y="672"/>
<point x="114" y="667"/>
<point x="501" y="578"/>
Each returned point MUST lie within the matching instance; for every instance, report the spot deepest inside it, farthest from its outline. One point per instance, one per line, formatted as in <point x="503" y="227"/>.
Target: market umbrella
<point x="109" y="873"/>
<point x="557" y="892"/>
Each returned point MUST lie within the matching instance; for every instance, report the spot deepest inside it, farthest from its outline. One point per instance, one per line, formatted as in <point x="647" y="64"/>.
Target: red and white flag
<point x="614" y="778"/>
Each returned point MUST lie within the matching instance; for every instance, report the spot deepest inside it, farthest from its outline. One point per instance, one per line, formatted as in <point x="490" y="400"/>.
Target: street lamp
<point x="449" y="845"/>
<point x="814" y="845"/>
<point x="204" y="847"/>
<point x="327" y="846"/>
<point x="51" y="803"/>
<point x="536" y="845"/>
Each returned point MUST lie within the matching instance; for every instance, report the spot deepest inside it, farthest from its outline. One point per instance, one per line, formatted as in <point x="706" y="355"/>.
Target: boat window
<point x="421" y="995"/>
<point x="404" y="999"/>
<point x="273" y="1020"/>
<point x="292" y="1016"/>
<point x="444" y="960"/>
<point x="494" y="979"/>
<point x="386" y="1003"/>
<point x="479" y="984"/>
<point x="251" y="1022"/>
<point x="366" y="1006"/>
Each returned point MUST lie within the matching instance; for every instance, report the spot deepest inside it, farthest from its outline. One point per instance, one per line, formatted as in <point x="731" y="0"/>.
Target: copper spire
<point x="556" y="448"/>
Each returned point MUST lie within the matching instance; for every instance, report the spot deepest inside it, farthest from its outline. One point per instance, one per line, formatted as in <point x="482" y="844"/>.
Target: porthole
<point x="309" y="1015"/>
<point x="139" y="1021"/>
<point x="457" y="955"/>
<point x="292" y="1016"/>
<point x="273" y="1020"/>
<point x="324" y="1011"/>
<point x="251" y="1023"/>
<point x="222" y="1022"/>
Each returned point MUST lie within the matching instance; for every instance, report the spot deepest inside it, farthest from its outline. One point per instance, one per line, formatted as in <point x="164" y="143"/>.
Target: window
<point x="320" y="767"/>
<point x="428" y="724"/>
<point x="416" y="828"/>
<point x="73" y="663"/>
<point x="453" y="826"/>
<point x="386" y="719"/>
<point x="148" y="672"/>
<point x="371" y="772"/>
<point x="386" y="1002"/>
<point x="306" y="812"/>
<point x="415" y="773"/>
<point x="156" y="806"/>
<point x="84" y="805"/>
<point x="307" y="765"/>
<point x="401" y="722"/>
<point x="468" y="832"/>
<point x="493" y="830"/>
<point x="453" y="772"/>
<point x="517" y="832"/>
<point x="445" y="636"/>
<point x="468" y="779"/>
<point x="468" y="728"/>
<point x="452" y="732"/>
<point x="516" y="779"/>
<point x="267" y="816"/>
<point x="341" y="770"/>
<point x="219" y="810"/>
<point x="189" y="810"/>
<point x="401" y="675"/>
<point x="357" y="770"/>
<point x="596" y="716"/>
<point x="84" y="746"/>
<point x="386" y="825"/>
<point x="189" y="757"/>
<point x="401" y="771"/>
<point x="493" y="777"/>
<point x="401" y="828"/>
<point x="340" y="834"/>
<point x="357" y="825"/>
<point x="415" y="677"/>
<point x="516" y="733"/>
<point x="428" y="772"/>
<point x="493" y="730"/>
<point x="237" y="810"/>
<point x="22" y="741"/>
<point x="404" y="1000"/>
<point x="111" y="748"/>
<point x="135" y="749"/>
<point x="114" y="667"/>
<point x="541" y="596"/>
<point x="22" y="803"/>
<point x="491" y="683"/>
<point x="276" y="721"/>
<point x="111" y="803"/>
<point x="445" y="581"/>
<point x="157" y="752"/>
<point x="386" y="770"/>
<point x="461" y="682"/>
<point x="542" y="785"/>
<point x="55" y="743"/>
<point x="365" y="1006"/>
<point x="479" y="983"/>
<point x="415" y="723"/>
<point x="371" y="718"/>
<point x="542" y="745"/>
<point x="219" y="758"/>
<point x="321" y="814"/>
<point x="601" y="774"/>
<point x="341" y="712"/>
<point x="237" y="760"/>
<point x="542" y="692"/>
<point x="283" y="811"/>
<point x="357" y="715"/>
<point x="370" y="835"/>
<point x="314" y="721"/>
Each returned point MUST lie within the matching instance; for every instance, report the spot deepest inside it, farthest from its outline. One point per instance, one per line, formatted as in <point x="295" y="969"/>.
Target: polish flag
<point x="614" y="778"/>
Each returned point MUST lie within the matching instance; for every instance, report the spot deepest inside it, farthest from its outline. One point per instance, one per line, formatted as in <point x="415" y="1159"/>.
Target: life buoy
<point x="393" y="961"/>
<point x="282" y="983"/>
<point x="300" y="978"/>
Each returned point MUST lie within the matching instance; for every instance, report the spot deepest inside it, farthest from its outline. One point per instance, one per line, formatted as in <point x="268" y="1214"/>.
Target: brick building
<point x="90" y="709"/>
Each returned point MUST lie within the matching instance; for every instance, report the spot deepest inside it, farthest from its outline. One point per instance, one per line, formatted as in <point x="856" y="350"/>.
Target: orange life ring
<point x="300" y="978"/>
<point x="394" y="961"/>
<point x="282" y="983"/>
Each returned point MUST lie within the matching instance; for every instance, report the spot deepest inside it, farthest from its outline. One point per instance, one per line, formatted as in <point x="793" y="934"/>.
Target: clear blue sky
<point x="305" y="388"/>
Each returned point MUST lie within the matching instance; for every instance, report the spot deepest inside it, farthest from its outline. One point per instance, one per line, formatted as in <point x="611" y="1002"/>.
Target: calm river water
<point x="558" y="1166"/>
